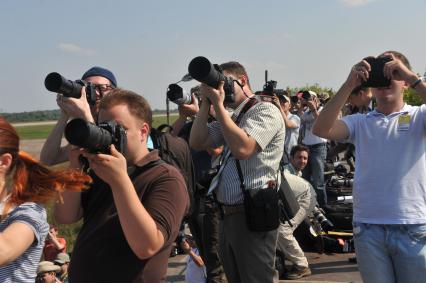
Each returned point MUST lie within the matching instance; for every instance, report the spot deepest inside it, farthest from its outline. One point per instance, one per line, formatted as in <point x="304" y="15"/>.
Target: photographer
<point x="104" y="81"/>
<point x="134" y="208"/>
<point x="314" y="171"/>
<point x="54" y="244"/>
<point x="389" y="186"/>
<point x="292" y="125"/>
<point x="25" y="186"/>
<point x="305" y="196"/>
<point x="206" y="212"/>
<point x="256" y="140"/>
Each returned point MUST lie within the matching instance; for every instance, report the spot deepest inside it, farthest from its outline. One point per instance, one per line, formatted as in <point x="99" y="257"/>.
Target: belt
<point x="231" y="209"/>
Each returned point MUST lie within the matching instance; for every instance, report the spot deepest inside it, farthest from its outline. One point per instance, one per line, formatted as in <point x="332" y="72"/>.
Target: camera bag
<point x="261" y="206"/>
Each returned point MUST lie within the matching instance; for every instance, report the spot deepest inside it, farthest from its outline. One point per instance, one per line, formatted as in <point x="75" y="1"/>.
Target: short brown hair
<point x="235" y="68"/>
<point x="138" y="106"/>
<point x="400" y="56"/>
<point x="298" y="148"/>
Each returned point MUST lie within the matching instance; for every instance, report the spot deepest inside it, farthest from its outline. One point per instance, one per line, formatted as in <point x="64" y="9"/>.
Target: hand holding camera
<point x="396" y="70"/>
<point x="112" y="168"/>
<point x="75" y="107"/>
<point x="377" y="72"/>
<point x="189" y="110"/>
<point x="216" y="96"/>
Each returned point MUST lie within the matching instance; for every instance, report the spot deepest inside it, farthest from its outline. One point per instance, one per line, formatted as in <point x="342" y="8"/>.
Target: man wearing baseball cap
<point x="103" y="81"/>
<point x="46" y="272"/>
<point x="63" y="260"/>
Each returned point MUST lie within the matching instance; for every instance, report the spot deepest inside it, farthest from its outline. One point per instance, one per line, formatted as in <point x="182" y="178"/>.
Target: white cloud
<point x="356" y="3"/>
<point x="75" y="49"/>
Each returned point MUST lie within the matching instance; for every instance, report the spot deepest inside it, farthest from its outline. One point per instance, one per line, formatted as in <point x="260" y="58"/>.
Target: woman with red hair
<point x="25" y="185"/>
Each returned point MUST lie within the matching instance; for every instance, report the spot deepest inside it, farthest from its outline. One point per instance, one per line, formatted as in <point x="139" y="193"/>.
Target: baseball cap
<point x="62" y="258"/>
<point x="47" y="266"/>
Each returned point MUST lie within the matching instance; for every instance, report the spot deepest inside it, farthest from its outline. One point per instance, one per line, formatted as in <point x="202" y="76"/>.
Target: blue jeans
<point x="314" y="170"/>
<point x="391" y="253"/>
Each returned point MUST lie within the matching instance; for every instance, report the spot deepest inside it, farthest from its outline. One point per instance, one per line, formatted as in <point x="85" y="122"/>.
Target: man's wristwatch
<point x="416" y="83"/>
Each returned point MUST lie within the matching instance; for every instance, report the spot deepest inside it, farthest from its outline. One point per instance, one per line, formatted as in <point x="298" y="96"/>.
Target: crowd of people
<point x="133" y="203"/>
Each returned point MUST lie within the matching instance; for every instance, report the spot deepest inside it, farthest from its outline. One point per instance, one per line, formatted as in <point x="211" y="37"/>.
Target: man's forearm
<point x="178" y="125"/>
<point x="199" y="131"/>
<point x="241" y="145"/>
<point x="70" y="210"/>
<point x="330" y="113"/>
<point x="51" y="150"/>
<point x="289" y="124"/>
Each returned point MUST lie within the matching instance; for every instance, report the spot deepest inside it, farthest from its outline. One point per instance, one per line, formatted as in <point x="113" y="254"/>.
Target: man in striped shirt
<point x="256" y="141"/>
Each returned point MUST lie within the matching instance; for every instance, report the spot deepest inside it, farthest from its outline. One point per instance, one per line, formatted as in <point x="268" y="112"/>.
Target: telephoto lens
<point x="89" y="136"/>
<point x="205" y="72"/>
<point x="178" y="95"/>
<point x="56" y="83"/>
<point x="326" y="224"/>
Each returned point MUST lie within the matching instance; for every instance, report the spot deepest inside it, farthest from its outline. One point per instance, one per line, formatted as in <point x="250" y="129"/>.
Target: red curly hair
<point x="32" y="181"/>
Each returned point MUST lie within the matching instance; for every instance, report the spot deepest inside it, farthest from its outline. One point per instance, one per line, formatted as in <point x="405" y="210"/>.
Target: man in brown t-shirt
<point x="134" y="208"/>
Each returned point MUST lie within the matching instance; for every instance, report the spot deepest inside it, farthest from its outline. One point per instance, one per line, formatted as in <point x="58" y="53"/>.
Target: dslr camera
<point x="270" y="87"/>
<point x="205" y="72"/>
<point x="56" y="83"/>
<point x="96" y="138"/>
<point x="376" y="77"/>
<point x="178" y="95"/>
<point x="306" y="95"/>
<point x="320" y="218"/>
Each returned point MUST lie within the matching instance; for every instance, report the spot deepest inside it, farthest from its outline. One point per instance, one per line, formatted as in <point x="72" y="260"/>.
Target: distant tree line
<point x="50" y="115"/>
<point x="47" y="115"/>
<point x="43" y="115"/>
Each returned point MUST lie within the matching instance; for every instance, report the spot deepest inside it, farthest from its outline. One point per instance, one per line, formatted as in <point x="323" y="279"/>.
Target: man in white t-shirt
<point x="389" y="189"/>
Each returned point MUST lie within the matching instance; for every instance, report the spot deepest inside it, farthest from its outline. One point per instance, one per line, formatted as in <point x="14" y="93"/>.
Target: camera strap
<point x="227" y="152"/>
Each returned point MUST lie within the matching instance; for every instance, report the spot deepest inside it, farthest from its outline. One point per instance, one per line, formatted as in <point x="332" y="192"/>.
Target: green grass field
<point x="42" y="131"/>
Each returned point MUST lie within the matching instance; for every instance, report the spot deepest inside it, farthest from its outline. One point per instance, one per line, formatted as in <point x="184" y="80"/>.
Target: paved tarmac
<point x="330" y="268"/>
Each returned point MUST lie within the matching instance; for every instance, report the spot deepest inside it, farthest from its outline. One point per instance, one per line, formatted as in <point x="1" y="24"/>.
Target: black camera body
<point x="205" y="72"/>
<point x="269" y="87"/>
<point x="294" y="99"/>
<point x="306" y="95"/>
<point x="376" y="77"/>
<point x="178" y="95"/>
<point x="96" y="138"/>
<point x="56" y="83"/>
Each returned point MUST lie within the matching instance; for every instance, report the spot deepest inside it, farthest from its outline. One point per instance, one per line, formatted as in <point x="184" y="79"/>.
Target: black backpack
<point x="175" y="151"/>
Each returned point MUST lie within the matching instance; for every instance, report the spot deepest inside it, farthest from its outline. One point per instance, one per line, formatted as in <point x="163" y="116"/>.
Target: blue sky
<point x="148" y="44"/>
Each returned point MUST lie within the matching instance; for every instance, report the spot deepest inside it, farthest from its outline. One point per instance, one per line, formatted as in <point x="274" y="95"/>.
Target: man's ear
<point x="144" y="131"/>
<point x="243" y="80"/>
<point x="5" y="162"/>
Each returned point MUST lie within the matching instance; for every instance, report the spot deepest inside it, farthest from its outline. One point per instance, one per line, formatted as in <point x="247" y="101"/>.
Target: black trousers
<point x="214" y="269"/>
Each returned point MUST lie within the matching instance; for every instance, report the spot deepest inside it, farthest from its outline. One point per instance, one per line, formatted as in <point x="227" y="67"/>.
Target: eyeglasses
<point x="102" y="88"/>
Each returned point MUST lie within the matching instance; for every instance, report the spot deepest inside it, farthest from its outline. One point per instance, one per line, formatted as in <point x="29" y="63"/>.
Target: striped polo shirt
<point x="24" y="268"/>
<point x="264" y="123"/>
